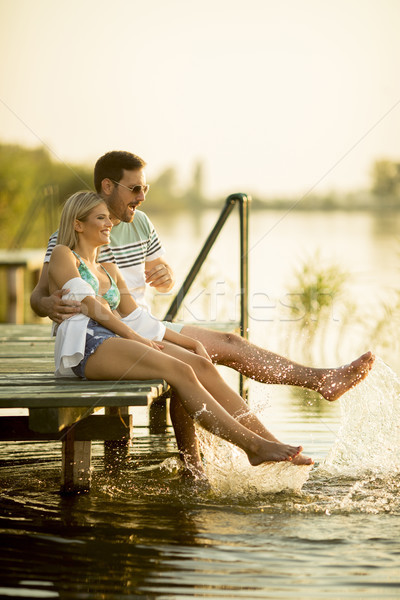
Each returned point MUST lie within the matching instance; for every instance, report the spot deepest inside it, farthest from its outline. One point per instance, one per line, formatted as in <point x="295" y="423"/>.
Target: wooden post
<point x="15" y="294"/>
<point x="158" y="411"/>
<point x="76" y="459"/>
<point x="116" y="452"/>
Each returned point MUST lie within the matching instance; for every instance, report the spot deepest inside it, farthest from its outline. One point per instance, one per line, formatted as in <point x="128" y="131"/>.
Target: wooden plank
<point x="34" y="363"/>
<point x="25" y="339"/>
<point x="16" y="387"/>
<point x="14" y="356"/>
<point x="20" y="347"/>
<point x="38" y="383"/>
<point x="74" y="387"/>
<point x="94" y="427"/>
<point x="93" y="399"/>
<point x="48" y="420"/>
<point x="106" y="427"/>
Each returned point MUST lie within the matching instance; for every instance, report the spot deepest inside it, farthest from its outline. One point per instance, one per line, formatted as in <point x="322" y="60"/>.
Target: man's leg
<point x="186" y="439"/>
<point x="233" y="351"/>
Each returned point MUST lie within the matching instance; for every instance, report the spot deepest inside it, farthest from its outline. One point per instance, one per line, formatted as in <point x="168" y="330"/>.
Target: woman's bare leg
<point x="231" y="401"/>
<point x="117" y="358"/>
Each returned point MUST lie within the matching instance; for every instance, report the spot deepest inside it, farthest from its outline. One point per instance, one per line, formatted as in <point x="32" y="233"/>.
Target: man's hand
<point x="160" y="277"/>
<point x="58" y="309"/>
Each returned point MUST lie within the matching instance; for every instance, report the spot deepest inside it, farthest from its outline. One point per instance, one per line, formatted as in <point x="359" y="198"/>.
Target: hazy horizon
<point x="274" y="99"/>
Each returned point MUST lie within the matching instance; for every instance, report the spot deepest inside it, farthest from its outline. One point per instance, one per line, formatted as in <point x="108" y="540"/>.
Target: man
<point x="120" y="179"/>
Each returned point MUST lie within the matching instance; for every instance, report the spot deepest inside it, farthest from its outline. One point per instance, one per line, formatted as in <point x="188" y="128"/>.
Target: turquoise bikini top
<point x="112" y="295"/>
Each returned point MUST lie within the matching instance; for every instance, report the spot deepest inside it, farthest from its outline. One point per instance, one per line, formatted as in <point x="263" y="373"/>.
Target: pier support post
<point x="76" y="463"/>
<point x="15" y="291"/>
<point x="158" y="411"/>
<point x="116" y="452"/>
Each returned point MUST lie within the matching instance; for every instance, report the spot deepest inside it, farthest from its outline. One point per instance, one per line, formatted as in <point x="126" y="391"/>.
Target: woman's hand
<point x="199" y="349"/>
<point x="142" y="340"/>
<point x="186" y="342"/>
<point x="153" y="344"/>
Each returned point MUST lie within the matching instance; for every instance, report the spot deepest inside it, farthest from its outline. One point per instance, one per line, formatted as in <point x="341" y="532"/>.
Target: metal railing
<point x="243" y="201"/>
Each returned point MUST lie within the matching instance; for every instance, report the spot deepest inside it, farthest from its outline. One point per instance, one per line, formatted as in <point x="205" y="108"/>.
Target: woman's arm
<point x="186" y="342"/>
<point x="128" y="304"/>
<point x="52" y="305"/>
<point x="62" y="268"/>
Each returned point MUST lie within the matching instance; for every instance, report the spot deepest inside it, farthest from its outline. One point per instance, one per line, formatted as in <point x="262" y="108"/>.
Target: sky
<point x="275" y="98"/>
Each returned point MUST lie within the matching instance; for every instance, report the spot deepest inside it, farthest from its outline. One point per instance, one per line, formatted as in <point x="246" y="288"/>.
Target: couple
<point x="134" y="246"/>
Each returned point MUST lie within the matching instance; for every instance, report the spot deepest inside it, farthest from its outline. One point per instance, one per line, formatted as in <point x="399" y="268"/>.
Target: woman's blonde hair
<point x="78" y="206"/>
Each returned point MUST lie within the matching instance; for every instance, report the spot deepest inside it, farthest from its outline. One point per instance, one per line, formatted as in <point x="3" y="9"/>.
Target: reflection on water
<point x="146" y="533"/>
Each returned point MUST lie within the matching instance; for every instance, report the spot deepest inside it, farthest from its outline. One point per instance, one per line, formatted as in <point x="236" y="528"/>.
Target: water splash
<point x="367" y="445"/>
<point x="230" y="474"/>
<point x="368" y="441"/>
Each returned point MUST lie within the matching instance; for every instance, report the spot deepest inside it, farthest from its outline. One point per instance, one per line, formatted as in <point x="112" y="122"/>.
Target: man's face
<point x="123" y="199"/>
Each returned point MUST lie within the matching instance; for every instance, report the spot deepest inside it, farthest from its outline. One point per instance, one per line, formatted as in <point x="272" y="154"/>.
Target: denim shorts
<point x="95" y="335"/>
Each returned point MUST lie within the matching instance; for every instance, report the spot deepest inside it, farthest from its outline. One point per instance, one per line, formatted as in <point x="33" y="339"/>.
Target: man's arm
<point x="51" y="305"/>
<point x="159" y="275"/>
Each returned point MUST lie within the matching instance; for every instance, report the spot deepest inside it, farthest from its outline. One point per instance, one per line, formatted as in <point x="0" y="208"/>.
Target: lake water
<point x="270" y="532"/>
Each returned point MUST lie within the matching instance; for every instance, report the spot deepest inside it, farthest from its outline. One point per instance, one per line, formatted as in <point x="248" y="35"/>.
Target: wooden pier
<point x="65" y="409"/>
<point x="16" y="263"/>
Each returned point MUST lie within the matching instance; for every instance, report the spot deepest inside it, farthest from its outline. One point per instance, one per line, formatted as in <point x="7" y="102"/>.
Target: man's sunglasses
<point x="136" y="189"/>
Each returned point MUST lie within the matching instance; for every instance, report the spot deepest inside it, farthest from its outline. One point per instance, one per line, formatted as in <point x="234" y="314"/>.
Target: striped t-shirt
<point x="131" y="246"/>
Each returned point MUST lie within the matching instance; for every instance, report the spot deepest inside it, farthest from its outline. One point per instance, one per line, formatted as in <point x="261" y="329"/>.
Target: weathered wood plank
<point x="26" y="330"/>
<point x="19" y="387"/>
<point x="22" y="351"/>
<point x="47" y="420"/>
<point x="73" y="386"/>
<point x="36" y="363"/>
<point x="139" y="397"/>
<point x="94" y="427"/>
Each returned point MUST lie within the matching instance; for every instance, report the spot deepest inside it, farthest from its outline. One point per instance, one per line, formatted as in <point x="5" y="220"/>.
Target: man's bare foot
<point x="273" y="452"/>
<point x="337" y="382"/>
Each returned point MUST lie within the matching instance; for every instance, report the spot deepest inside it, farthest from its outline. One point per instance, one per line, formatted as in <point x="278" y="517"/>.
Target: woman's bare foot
<point x="301" y="459"/>
<point x="273" y="452"/>
<point x="196" y="481"/>
<point x="192" y="468"/>
<point x="337" y="382"/>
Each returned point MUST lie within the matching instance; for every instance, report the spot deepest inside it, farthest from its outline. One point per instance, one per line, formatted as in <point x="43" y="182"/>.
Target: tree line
<point x="34" y="186"/>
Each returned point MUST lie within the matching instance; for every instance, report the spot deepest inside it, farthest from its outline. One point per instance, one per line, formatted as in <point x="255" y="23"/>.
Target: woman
<point x="117" y="340"/>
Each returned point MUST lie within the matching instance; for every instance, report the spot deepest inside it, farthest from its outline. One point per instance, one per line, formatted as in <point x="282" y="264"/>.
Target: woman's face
<point x="97" y="226"/>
